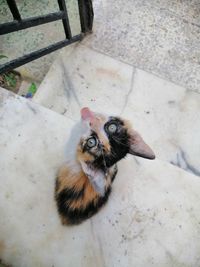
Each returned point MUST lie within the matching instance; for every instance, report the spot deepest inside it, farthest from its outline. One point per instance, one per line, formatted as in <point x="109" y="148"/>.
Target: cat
<point x="98" y="142"/>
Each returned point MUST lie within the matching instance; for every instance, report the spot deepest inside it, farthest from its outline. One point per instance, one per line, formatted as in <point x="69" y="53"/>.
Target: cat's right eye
<point x="91" y="142"/>
<point x="112" y="128"/>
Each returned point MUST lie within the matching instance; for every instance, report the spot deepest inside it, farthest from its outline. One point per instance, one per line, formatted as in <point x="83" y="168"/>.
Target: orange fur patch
<point x="83" y="156"/>
<point x="127" y="125"/>
<point x="66" y="180"/>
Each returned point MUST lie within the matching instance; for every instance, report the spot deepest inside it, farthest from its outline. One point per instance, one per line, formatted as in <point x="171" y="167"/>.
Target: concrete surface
<point x="158" y="36"/>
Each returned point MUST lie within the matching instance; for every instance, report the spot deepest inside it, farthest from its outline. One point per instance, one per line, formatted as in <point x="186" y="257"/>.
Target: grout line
<point x="130" y="90"/>
<point x="139" y="68"/>
<point x="103" y="53"/>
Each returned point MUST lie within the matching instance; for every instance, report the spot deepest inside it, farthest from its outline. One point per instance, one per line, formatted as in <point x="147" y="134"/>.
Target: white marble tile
<point x="82" y="77"/>
<point x="168" y="117"/>
<point x="152" y="217"/>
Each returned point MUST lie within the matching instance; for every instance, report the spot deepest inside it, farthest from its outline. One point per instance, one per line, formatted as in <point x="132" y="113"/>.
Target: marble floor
<point x="152" y="216"/>
<point x="167" y="115"/>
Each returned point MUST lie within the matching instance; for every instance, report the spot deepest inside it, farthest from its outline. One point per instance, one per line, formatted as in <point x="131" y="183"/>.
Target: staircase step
<point x="167" y="115"/>
<point x="152" y="216"/>
<point x="82" y="77"/>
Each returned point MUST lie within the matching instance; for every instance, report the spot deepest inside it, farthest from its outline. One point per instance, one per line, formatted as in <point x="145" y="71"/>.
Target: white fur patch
<point x="96" y="178"/>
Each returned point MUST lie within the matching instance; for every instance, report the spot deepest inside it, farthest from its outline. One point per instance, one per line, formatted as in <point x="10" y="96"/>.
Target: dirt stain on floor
<point x="111" y="73"/>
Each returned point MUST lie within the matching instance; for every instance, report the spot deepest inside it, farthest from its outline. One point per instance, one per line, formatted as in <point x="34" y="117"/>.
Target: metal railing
<point x="86" y="22"/>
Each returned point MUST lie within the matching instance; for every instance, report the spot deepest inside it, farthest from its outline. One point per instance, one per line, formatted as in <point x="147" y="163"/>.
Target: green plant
<point x="10" y="79"/>
<point x="3" y="56"/>
<point x="32" y="88"/>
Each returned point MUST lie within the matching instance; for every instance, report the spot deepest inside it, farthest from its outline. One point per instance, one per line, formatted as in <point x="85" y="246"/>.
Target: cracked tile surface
<point x="169" y="117"/>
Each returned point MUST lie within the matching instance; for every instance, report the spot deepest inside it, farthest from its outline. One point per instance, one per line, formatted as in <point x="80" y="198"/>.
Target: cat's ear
<point x="96" y="177"/>
<point x="138" y="147"/>
<point x="87" y="114"/>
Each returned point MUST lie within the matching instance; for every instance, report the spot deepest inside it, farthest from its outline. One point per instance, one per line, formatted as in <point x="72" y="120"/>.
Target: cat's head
<point x="106" y="139"/>
<point x="109" y="138"/>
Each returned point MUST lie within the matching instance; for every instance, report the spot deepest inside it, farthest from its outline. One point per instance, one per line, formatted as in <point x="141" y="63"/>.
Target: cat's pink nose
<point x="87" y="114"/>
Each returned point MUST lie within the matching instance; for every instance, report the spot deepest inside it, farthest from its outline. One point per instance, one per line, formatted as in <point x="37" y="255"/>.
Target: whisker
<point x="119" y="142"/>
<point x="112" y="153"/>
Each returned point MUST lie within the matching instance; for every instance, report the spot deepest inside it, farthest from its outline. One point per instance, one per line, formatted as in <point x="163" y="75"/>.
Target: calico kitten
<point x="83" y="184"/>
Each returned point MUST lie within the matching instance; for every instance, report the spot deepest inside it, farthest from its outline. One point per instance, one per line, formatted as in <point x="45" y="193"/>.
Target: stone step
<point x="167" y="115"/>
<point x="152" y="216"/>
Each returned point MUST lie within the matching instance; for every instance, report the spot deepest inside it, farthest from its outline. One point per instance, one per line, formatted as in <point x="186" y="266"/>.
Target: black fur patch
<point x="66" y="196"/>
<point x="76" y="216"/>
<point x="119" y="142"/>
<point x="71" y="194"/>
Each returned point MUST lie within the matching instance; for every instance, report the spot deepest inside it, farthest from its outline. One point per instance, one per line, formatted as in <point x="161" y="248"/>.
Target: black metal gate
<point x="86" y="21"/>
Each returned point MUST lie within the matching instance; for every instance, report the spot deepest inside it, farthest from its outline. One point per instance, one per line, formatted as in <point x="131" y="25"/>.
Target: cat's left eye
<point x="112" y="128"/>
<point x="91" y="142"/>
